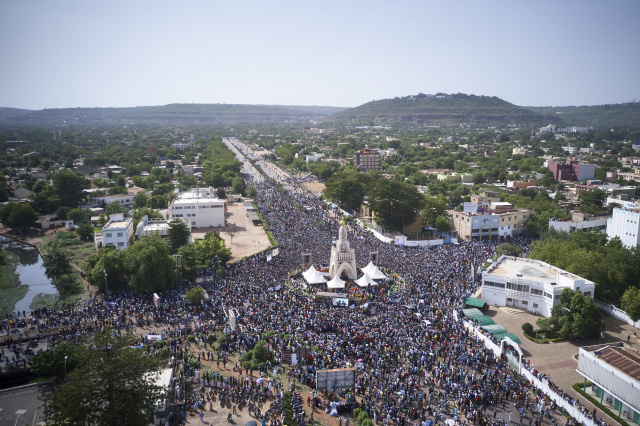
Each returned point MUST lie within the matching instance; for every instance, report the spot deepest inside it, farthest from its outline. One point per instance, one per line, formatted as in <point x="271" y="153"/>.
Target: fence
<point x="543" y="385"/>
<point x="617" y="313"/>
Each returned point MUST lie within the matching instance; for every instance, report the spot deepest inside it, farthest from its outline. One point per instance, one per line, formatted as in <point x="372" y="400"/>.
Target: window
<point x="177" y="215"/>
<point x="587" y="293"/>
<point x="120" y="234"/>
<point x="108" y="235"/>
<point x="535" y="291"/>
<point x="535" y="305"/>
<point x="193" y="224"/>
<point x="120" y="244"/>
<point x="524" y="302"/>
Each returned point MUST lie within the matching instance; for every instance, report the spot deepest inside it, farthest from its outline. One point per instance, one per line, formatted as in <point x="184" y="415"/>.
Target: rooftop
<point x="530" y="269"/>
<point x="119" y="224"/>
<point x="625" y="360"/>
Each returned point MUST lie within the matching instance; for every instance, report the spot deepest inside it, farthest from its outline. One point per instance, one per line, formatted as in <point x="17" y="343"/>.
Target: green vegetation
<point x="125" y="395"/>
<point x="630" y="303"/>
<point x="195" y="295"/>
<point x="609" y="264"/>
<point x="10" y="288"/>
<point x="625" y="114"/>
<point x="576" y="317"/>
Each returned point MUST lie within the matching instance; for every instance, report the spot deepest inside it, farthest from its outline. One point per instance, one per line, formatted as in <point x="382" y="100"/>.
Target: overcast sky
<point x="64" y="53"/>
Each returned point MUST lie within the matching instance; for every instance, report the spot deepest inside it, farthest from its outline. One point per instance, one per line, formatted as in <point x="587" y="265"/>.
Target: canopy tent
<point x="336" y="282"/>
<point x="373" y="271"/>
<point x="475" y="302"/>
<point x="484" y="320"/>
<point x="312" y="276"/>
<point x="472" y="312"/>
<point x="365" y="281"/>
<point x="513" y="337"/>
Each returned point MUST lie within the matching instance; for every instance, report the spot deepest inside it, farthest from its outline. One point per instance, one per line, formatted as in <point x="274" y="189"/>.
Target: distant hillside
<point x="172" y="114"/>
<point x="444" y="110"/>
<point x="12" y="112"/>
<point x="595" y="116"/>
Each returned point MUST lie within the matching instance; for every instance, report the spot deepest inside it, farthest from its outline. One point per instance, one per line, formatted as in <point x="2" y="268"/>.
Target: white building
<point x="125" y="200"/>
<point x="625" y="224"/>
<point x="580" y="221"/>
<point x="199" y="208"/>
<point x="614" y="371"/>
<point x="529" y="284"/>
<point x="118" y="232"/>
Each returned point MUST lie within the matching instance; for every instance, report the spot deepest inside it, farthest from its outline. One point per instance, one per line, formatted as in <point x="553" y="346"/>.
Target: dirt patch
<point x="314" y="186"/>
<point x="241" y="235"/>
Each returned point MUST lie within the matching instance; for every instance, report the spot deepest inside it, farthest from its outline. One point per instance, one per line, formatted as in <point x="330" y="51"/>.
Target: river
<point x="30" y="271"/>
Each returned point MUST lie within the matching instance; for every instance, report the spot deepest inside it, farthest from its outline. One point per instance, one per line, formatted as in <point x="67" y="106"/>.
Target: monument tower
<point x="343" y="257"/>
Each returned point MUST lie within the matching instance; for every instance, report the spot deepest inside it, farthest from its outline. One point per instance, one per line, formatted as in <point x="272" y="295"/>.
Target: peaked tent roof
<point x="472" y="312"/>
<point x="373" y="271"/>
<point x="312" y="276"/>
<point x="336" y="282"/>
<point x="365" y="281"/>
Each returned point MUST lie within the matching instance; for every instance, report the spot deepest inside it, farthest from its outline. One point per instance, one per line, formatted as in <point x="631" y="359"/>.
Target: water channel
<point x="30" y="271"/>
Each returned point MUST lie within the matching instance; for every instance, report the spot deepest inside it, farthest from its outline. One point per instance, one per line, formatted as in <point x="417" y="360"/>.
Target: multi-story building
<point x="530" y="284"/>
<point x="368" y="159"/>
<point x="118" y="232"/>
<point x="500" y="220"/>
<point x="571" y="170"/>
<point x="200" y="208"/>
<point x="580" y="221"/>
<point x="625" y="224"/>
<point x="614" y="373"/>
<point x="458" y="177"/>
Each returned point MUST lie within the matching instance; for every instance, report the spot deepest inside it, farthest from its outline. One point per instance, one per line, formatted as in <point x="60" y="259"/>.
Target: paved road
<point x="21" y="405"/>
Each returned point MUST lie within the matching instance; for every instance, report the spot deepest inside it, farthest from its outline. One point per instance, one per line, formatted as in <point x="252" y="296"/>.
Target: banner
<point x="156" y="300"/>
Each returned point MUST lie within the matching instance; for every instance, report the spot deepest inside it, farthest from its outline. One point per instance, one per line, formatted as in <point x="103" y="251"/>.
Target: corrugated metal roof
<point x="605" y="375"/>
<point x="622" y="359"/>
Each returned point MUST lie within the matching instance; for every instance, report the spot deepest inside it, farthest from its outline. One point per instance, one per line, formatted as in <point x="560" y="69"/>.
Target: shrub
<point x="527" y="328"/>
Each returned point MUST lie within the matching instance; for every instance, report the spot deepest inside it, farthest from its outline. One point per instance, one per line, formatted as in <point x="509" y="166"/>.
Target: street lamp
<point x="65" y="367"/>
<point x="106" y="283"/>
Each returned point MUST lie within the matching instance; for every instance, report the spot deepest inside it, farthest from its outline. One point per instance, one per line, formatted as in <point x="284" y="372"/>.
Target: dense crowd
<point x="416" y="364"/>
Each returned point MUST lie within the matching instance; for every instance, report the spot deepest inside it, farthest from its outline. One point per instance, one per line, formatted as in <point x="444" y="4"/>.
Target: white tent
<point x="373" y="271"/>
<point x="365" y="281"/>
<point x="312" y="276"/>
<point x="336" y="282"/>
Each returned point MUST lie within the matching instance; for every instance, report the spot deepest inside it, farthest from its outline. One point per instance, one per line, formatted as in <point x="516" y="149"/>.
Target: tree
<point x="195" y="295"/>
<point x="252" y="192"/>
<point x="21" y="216"/>
<point x="79" y="216"/>
<point x="56" y="262"/>
<point x="395" y="203"/>
<point x="435" y="206"/>
<point x="630" y="303"/>
<point x="508" y="249"/>
<point x="111" y="260"/>
<point x="346" y="188"/>
<point x="157" y="202"/>
<point x="113" y="383"/>
<point x="591" y="201"/>
<point x="114" y="208"/>
<point x="84" y="231"/>
<point x="148" y="265"/>
<point x="69" y="186"/>
<point x="575" y="317"/>
<point x="178" y="233"/>
<point x="221" y="193"/>
<point x="443" y="224"/>
<point x="140" y="200"/>
<point x="238" y="185"/>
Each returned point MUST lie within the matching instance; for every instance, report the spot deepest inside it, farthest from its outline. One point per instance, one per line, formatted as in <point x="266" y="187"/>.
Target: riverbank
<point x="10" y="288"/>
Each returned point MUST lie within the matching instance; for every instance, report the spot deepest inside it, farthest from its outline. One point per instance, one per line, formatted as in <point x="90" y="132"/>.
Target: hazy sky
<point x="62" y="53"/>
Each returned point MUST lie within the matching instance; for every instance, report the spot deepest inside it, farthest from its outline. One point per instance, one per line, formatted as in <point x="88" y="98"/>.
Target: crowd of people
<point x="415" y="362"/>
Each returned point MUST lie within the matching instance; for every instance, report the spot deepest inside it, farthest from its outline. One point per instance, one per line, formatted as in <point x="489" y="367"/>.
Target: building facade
<point x="530" y="284"/>
<point x="491" y="225"/>
<point x="200" y="208"/>
<point x="614" y="371"/>
<point x="572" y="170"/>
<point x="368" y="159"/>
<point x="580" y="221"/>
<point x="625" y="224"/>
<point x="118" y="232"/>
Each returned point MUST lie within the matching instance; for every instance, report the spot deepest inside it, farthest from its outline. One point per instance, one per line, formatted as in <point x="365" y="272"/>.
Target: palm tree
<point x="56" y="263"/>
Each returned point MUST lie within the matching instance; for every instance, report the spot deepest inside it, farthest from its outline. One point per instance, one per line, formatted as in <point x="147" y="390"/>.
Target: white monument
<point x="343" y="257"/>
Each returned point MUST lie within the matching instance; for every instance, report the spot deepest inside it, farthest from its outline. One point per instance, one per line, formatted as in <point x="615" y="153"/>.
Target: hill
<point x="172" y="114"/>
<point x="6" y="113"/>
<point x="627" y="114"/>
<point x="444" y="110"/>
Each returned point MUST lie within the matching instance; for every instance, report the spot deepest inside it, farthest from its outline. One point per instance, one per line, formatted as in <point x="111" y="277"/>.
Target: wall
<point x="617" y="313"/>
